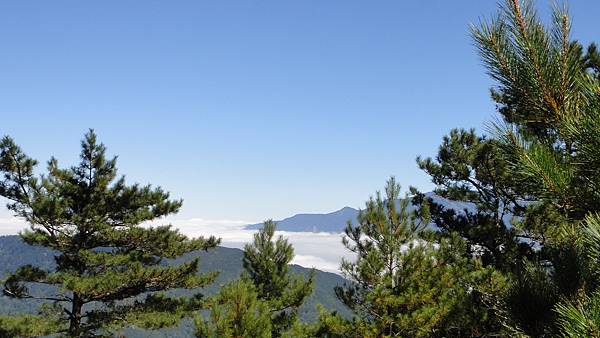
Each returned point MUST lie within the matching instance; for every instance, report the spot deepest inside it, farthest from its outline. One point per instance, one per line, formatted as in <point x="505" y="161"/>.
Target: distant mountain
<point x="14" y="253"/>
<point x="336" y="221"/>
<point x="332" y="222"/>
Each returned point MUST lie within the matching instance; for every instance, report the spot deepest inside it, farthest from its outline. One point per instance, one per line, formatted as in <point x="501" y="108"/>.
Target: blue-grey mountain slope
<point x="336" y="221"/>
<point x="332" y="222"/>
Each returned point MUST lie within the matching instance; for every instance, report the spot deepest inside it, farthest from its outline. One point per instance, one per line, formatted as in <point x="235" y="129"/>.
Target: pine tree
<point x="473" y="169"/>
<point x="264" y="301"/>
<point x="236" y="311"/>
<point x="266" y="261"/>
<point x="548" y="98"/>
<point x="541" y="75"/>
<point x="406" y="281"/>
<point x="110" y="269"/>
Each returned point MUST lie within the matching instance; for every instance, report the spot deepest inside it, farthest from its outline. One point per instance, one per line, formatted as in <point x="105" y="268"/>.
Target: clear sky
<point x="249" y="109"/>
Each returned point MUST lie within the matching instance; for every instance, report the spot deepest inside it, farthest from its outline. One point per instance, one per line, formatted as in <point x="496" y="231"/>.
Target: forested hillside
<point x="227" y="261"/>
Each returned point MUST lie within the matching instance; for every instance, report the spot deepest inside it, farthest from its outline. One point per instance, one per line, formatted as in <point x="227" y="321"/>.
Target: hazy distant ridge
<point x="336" y="221"/>
<point x="331" y="222"/>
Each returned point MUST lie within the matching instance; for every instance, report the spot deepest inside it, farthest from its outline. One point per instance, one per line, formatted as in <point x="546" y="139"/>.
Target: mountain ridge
<point x="336" y="221"/>
<point x="333" y="221"/>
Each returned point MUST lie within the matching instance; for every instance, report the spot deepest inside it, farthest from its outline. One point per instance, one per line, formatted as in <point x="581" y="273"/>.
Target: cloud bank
<point x="320" y="250"/>
<point x="11" y="226"/>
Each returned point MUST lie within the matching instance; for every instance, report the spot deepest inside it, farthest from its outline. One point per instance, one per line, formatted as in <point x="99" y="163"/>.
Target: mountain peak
<point x="345" y="209"/>
<point x="336" y="221"/>
<point x="330" y="222"/>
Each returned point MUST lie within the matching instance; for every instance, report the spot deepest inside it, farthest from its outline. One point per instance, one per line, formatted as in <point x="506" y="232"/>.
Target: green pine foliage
<point x="580" y="319"/>
<point x="28" y="325"/>
<point x="540" y="166"/>
<point x="580" y="316"/>
<point x="265" y="300"/>
<point x="538" y="70"/>
<point x="407" y="281"/>
<point x="472" y="168"/>
<point x="236" y="311"/>
<point x="266" y="261"/>
<point x="107" y="262"/>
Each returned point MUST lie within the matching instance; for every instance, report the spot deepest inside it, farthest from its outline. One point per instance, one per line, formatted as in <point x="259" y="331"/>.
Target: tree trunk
<point x="75" y="317"/>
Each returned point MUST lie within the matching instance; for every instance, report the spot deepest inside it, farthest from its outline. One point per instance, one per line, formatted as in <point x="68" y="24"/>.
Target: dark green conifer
<point x="541" y="166"/>
<point x="471" y="168"/>
<point x="408" y="282"/>
<point x="266" y="261"/>
<point x="236" y="311"/>
<point x="264" y="301"/>
<point x="109" y="268"/>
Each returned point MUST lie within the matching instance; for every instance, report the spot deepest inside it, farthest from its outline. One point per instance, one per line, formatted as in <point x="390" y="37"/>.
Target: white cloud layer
<point x="11" y="226"/>
<point x="320" y="250"/>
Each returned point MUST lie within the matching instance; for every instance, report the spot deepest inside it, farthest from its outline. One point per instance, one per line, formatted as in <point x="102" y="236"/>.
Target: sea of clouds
<point x="320" y="250"/>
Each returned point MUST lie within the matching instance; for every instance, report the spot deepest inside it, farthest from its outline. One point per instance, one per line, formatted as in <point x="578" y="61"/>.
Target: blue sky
<point x="249" y="109"/>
